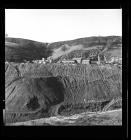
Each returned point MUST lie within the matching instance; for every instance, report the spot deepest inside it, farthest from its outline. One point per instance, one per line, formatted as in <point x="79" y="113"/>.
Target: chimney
<point x="105" y="59"/>
<point x="99" y="59"/>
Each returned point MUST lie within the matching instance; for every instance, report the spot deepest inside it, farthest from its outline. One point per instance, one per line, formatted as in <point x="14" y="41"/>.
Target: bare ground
<point x="111" y="117"/>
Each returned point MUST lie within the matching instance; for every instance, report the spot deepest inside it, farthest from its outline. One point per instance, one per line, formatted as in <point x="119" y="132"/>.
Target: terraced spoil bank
<point x="111" y="117"/>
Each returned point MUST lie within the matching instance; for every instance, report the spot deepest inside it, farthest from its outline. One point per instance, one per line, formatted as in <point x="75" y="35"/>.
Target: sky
<point x="52" y="25"/>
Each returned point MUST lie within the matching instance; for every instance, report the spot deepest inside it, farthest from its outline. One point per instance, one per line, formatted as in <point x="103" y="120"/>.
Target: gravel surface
<point x="112" y="117"/>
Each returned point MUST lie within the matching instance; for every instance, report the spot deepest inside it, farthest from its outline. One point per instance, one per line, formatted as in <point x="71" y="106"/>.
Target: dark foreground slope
<point x="28" y="97"/>
<point x="34" y="91"/>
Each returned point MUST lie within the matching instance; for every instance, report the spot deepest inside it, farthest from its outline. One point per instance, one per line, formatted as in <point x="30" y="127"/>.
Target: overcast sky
<point x="51" y="25"/>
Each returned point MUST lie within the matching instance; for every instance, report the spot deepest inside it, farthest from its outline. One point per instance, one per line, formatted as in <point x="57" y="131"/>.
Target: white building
<point x="68" y="61"/>
<point x="49" y="59"/>
<point x="115" y="59"/>
<point x="79" y="60"/>
<point x="86" y="61"/>
<point x="43" y="59"/>
<point x="6" y="62"/>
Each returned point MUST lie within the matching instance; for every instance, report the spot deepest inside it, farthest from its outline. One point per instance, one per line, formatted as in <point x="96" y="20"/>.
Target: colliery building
<point x="68" y="61"/>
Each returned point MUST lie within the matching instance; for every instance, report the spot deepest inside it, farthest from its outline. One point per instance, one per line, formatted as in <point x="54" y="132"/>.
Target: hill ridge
<point x="18" y="49"/>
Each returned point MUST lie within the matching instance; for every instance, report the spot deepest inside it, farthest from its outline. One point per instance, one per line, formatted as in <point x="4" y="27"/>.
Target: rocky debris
<point x="113" y="117"/>
<point x="35" y="91"/>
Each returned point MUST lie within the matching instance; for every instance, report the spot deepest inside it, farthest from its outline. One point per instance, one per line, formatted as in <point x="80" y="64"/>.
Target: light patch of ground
<point x="58" y="52"/>
<point x="112" y="117"/>
<point x="11" y="44"/>
<point x="116" y="52"/>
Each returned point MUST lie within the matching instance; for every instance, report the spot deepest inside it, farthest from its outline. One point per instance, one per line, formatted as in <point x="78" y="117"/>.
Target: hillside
<point x="34" y="91"/>
<point x="88" y="41"/>
<point x="18" y="50"/>
<point x="83" y="47"/>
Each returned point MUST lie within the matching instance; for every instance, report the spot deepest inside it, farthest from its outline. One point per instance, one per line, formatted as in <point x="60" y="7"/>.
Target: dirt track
<point x="112" y="117"/>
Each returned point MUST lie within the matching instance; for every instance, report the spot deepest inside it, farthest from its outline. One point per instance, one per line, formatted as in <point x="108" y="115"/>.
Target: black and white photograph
<point x="63" y="67"/>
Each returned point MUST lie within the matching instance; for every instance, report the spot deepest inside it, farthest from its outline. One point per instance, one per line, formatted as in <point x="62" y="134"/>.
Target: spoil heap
<point x="34" y="91"/>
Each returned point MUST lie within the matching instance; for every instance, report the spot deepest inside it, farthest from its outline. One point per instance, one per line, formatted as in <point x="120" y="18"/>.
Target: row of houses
<point x="43" y="61"/>
<point x="115" y="59"/>
<point x="76" y="61"/>
<point x="92" y="60"/>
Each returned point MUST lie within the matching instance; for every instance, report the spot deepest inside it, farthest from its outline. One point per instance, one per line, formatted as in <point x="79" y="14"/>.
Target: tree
<point x="63" y="48"/>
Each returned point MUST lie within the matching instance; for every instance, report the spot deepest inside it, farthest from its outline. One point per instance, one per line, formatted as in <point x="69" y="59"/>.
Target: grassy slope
<point x="17" y="49"/>
<point x="85" y="45"/>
